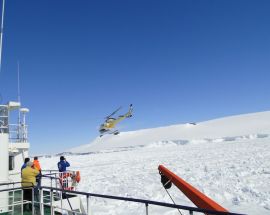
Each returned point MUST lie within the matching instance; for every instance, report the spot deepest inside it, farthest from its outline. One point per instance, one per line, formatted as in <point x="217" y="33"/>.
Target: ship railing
<point x="40" y="199"/>
<point x="56" y="194"/>
<point x="50" y="178"/>
<point x="18" y="133"/>
<point x="66" y="180"/>
<point x="62" y="191"/>
<point x="10" y="189"/>
<point x="147" y="203"/>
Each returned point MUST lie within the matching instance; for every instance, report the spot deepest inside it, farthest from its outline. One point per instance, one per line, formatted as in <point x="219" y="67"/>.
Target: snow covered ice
<point x="228" y="159"/>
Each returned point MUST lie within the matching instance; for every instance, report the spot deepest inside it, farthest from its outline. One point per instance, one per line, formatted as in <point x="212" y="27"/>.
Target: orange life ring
<point x="78" y="176"/>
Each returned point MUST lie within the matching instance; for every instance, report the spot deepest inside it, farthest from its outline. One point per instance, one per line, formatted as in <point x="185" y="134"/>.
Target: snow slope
<point x="228" y="159"/>
<point x="229" y="128"/>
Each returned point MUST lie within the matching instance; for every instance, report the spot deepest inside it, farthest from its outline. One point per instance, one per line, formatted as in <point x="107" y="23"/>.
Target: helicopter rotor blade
<point x="113" y="112"/>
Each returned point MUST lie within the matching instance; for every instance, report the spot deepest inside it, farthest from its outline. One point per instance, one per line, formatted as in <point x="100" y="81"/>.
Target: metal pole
<point x="33" y="201"/>
<point x="52" y="210"/>
<point x="88" y="205"/>
<point x="19" y="134"/>
<point x="13" y="197"/>
<point x="41" y="202"/>
<point x="1" y="35"/>
<point x="146" y="207"/>
<point x="87" y="202"/>
<point x="61" y="196"/>
<point x="55" y="180"/>
<point x="22" y="201"/>
<point x="51" y="198"/>
<point x="51" y="179"/>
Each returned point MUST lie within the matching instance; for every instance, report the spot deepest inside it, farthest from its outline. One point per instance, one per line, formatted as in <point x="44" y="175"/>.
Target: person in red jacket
<point x="37" y="164"/>
<point x="38" y="167"/>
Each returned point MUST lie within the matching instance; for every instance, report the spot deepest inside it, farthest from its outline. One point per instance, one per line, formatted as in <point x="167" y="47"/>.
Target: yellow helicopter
<point x="108" y="126"/>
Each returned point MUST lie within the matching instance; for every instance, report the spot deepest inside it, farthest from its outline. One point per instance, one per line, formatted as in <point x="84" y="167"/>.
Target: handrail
<point x="59" y="179"/>
<point x="50" y="170"/>
<point x="17" y="182"/>
<point x="9" y="183"/>
<point x="146" y="202"/>
<point x="143" y="201"/>
<point x="15" y="188"/>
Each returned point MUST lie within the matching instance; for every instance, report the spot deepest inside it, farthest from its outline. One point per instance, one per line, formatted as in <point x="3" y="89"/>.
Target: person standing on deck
<point x="63" y="164"/>
<point x="25" y="162"/>
<point x="62" y="167"/>
<point x="37" y="166"/>
<point x="29" y="174"/>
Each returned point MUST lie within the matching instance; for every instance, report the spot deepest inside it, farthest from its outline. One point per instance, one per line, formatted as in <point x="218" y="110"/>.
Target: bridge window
<point x="11" y="162"/>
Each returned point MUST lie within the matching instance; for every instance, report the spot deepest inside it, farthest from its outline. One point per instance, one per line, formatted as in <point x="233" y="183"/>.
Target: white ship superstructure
<point x="14" y="145"/>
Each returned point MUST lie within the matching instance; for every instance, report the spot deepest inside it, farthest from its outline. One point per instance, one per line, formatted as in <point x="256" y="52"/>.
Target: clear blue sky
<point x="176" y="61"/>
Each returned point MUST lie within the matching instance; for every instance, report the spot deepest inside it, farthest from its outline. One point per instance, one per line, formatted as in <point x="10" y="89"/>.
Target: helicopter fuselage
<point x="111" y="122"/>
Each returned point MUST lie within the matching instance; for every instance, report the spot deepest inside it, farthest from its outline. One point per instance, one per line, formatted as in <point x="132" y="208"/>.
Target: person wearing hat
<point x="62" y="164"/>
<point x="29" y="174"/>
<point x="62" y="167"/>
<point x="25" y="162"/>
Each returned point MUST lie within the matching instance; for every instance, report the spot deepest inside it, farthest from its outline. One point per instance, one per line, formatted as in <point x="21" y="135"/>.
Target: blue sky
<point x="176" y="61"/>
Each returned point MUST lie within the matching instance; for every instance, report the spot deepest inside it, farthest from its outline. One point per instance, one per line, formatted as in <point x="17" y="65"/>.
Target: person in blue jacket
<point x="62" y="164"/>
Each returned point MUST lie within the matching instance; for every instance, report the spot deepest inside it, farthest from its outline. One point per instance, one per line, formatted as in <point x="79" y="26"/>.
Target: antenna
<point x="19" y="100"/>
<point x="1" y="35"/>
<point x="19" y="90"/>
